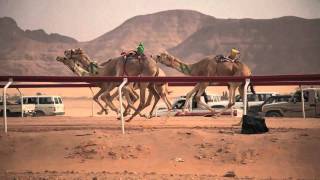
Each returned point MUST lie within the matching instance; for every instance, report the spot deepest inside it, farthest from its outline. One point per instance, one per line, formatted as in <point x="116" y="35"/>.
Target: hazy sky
<point x="88" y="19"/>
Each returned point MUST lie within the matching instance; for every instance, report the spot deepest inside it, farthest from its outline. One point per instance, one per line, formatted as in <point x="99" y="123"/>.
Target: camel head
<point x="79" y="56"/>
<point x="72" y="63"/>
<point x="167" y="59"/>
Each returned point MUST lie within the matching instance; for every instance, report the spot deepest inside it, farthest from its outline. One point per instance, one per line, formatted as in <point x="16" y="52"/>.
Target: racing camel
<point x="80" y="63"/>
<point x="208" y="66"/>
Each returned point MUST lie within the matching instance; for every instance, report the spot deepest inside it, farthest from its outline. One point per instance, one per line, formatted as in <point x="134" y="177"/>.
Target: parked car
<point x="194" y="110"/>
<point x="257" y="109"/>
<point x="15" y="109"/>
<point x="253" y="100"/>
<point x="45" y="104"/>
<point x="293" y="108"/>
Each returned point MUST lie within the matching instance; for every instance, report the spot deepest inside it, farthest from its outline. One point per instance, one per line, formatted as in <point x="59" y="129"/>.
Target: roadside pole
<point x="5" y="104"/>
<point x="21" y="101"/>
<point x="124" y="82"/>
<point x="302" y="102"/>
<point x="245" y="99"/>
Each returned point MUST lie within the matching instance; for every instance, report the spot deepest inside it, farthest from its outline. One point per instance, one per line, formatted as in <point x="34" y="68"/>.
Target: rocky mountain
<point x="158" y="32"/>
<point x="31" y="52"/>
<point x="287" y="45"/>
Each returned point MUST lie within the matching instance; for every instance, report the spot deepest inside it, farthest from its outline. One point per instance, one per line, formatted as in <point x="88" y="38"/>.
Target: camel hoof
<point x="100" y="112"/>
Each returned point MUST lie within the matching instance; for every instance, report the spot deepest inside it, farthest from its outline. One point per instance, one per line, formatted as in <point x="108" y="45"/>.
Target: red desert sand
<point x="162" y="148"/>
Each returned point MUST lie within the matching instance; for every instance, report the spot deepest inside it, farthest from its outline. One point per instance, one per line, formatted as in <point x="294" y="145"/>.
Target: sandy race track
<point x="173" y="148"/>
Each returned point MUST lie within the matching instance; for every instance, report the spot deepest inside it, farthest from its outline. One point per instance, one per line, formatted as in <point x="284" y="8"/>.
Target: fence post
<point x="5" y="104"/>
<point x="124" y="82"/>
<point x="245" y="99"/>
<point x="302" y="102"/>
<point x="21" y="101"/>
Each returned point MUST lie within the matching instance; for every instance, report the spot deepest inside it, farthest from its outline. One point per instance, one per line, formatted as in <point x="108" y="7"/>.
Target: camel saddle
<point x="127" y="55"/>
<point x="221" y="58"/>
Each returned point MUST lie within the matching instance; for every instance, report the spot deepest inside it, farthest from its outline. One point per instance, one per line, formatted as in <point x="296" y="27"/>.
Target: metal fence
<point x="71" y="81"/>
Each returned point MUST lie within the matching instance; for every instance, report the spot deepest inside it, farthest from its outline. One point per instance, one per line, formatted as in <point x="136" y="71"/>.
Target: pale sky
<point x="85" y="20"/>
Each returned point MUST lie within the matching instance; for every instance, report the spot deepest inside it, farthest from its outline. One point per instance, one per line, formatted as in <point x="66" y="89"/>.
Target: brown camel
<point x="156" y="89"/>
<point x="75" y="57"/>
<point x="207" y="67"/>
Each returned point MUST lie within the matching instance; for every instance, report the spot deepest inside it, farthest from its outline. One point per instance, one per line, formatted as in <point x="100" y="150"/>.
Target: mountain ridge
<point x="291" y="43"/>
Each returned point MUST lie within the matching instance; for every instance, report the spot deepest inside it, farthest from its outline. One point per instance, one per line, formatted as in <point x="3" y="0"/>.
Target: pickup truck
<point x="253" y="100"/>
<point x="257" y="109"/>
<point x="293" y="108"/>
<point x="15" y="109"/>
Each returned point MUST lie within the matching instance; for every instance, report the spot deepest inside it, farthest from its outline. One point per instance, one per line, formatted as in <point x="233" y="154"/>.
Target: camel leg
<point x="189" y="94"/>
<point x="128" y="95"/>
<point x="107" y="98"/>
<point x="154" y="93"/>
<point x="151" y="94"/>
<point x="133" y="93"/>
<point x="129" y="101"/>
<point x="96" y="99"/>
<point x="143" y="87"/>
<point x="232" y="89"/>
<point x="163" y="94"/>
<point x="198" y="96"/>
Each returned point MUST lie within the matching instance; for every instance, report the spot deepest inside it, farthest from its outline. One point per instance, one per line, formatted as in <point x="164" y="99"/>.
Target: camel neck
<point x="182" y="67"/>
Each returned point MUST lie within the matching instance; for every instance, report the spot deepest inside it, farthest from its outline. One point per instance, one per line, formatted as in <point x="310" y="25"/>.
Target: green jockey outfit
<point x="140" y="49"/>
<point x="93" y="67"/>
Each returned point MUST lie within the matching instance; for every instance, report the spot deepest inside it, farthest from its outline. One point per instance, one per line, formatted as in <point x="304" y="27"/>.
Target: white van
<point x="45" y="104"/>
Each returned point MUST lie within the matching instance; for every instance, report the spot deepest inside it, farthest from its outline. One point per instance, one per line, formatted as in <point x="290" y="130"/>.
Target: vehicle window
<point x="306" y="96"/>
<point x="31" y="100"/>
<point x="270" y="100"/>
<point x="260" y="97"/>
<point x="238" y="98"/>
<point x="317" y="96"/>
<point x="297" y="96"/>
<point x="283" y="99"/>
<point x="18" y="101"/>
<point x="45" y="100"/>
<point x="60" y="100"/>
<point x="267" y="96"/>
<point x="210" y="98"/>
<point x="179" y="104"/>
<point x="252" y="97"/>
<point x="56" y="100"/>
<point x="217" y="99"/>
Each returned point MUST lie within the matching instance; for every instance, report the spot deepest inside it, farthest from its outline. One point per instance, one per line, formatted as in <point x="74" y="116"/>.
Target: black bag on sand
<point x="253" y="125"/>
